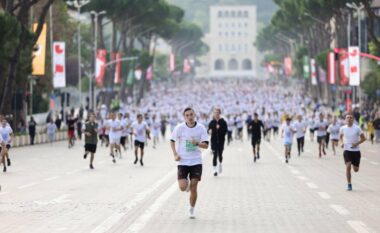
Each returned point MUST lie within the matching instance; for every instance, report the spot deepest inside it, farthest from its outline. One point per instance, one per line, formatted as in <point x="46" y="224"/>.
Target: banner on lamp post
<point x="186" y="66"/>
<point x="354" y="64"/>
<point x="149" y="73"/>
<point x="39" y="53"/>
<point x="101" y="59"/>
<point x="331" y="68"/>
<point x="117" y="78"/>
<point x="313" y="72"/>
<point x="172" y="63"/>
<point x="288" y="66"/>
<point x="306" y="67"/>
<point x="344" y="67"/>
<point x="59" y="65"/>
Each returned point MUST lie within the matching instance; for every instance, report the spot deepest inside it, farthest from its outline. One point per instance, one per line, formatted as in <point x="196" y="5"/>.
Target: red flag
<point x="100" y="66"/>
<point x="186" y="66"/>
<point x="149" y="73"/>
<point x="331" y="67"/>
<point x="117" y="78"/>
<point x="172" y="63"/>
<point x="288" y="66"/>
<point x="344" y="67"/>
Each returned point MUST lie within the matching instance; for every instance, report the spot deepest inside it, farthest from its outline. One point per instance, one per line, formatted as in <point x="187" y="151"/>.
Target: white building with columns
<point x="231" y="41"/>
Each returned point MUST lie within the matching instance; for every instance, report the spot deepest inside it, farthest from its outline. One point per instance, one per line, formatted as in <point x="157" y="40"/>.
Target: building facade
<point x="232" y="41"/>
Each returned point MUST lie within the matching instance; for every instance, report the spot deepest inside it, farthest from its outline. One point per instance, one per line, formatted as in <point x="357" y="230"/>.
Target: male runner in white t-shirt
<point x="351" y="136"/>
<point x="334" y="129"/>
<point x="186" y="141"/>
<point x="140" y="129"/>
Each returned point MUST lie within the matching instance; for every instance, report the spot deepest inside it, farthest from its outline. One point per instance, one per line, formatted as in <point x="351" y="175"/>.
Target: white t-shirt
<point x="115" y="126"/>
<point x="51" y="128"/>
<point x="124" y="124"/>
<point x="300" y="127"/>
<point x="334" y="129"/>
<point x="321" y="127"/>
<point x="288" y="133"/>
<point x="350" y="135"/>
<point x="6" y="134"/>
<point x="140" y="130"/>
<point x="239" y="122"/>
<point x="183" y="135"/>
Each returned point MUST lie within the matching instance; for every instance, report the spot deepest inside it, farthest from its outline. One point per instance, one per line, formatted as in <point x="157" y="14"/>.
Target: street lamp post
<point x="91" y="89"/>
<point x="354" y="6"/>
<point x="78" y="4"/>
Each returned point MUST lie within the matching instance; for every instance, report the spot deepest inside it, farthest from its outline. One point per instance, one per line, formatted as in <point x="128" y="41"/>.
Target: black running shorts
<point x="352" y="157"/>
<point x="256" y="141"/>
<point x="90" y="148"/>
<point x="192" y="172"/>
<point x="139" y="144"/>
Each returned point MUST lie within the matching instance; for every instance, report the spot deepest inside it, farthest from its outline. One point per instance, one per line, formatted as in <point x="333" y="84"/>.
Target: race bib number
<point x="190" y="147"/>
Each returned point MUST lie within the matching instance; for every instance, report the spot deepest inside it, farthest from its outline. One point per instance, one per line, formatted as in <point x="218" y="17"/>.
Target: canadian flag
<point x="313" y="68"/>
<point x="344" y="67"/>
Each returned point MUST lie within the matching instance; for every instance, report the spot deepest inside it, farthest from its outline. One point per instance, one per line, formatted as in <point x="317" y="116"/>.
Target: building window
<point x="226" y="47"/>
<point x="246" y="25"/>
<point x="246" y="15"/>
<point x="232" y="25"/>
<point x="239" y="34"/>
<point x="246" y="64"/>
<point x="220" y="48"/>
<point x="226" y="14"/>
<point x="219" y="64"/>
<point x="220" y="34"/>
<point x="220" y="14"/>
<point x="233" y="64"/>
<point x="233" y="14"/>
<point x="226" y="34"/>
<point x="233" y="47"/>
<point x="239" y="25"/>
<point x="240" y="14"/>
<point x="233" y="34"/>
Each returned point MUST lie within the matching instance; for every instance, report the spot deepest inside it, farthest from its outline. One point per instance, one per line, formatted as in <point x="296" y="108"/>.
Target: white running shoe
<point x="191" y="213"/>
<point x="220" y="168"/>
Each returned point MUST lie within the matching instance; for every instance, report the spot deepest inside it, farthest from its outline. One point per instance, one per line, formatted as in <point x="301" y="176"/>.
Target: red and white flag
<point x="354" y="61"/>
<point x="313" y="72"/>
<point x="186" y="66"/>
<point x="59" y="65"/>
<point x="344" y="67"/>
<point x="149" y="73"/>
<point x="288" y="66"/>
<point x="331" y="67"/>
<point x="101" y="59"/>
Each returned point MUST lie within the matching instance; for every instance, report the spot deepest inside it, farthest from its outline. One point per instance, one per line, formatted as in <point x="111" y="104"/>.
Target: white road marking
<point x="364" y="159"/>
<point x="140" y="197"/>
<point x="324" y="195"/>
<point x="140" y="223"/>
<point x="302" y="177"/>
<point x="58" y="200"/>
<point x="311" y="185"/>
<point x="340" y="209"/>
<point x="27" y="185"/>
<point x="72" y="172"/>
<point x="52" y="178"/>
<point x="295" y="172"/>
<point x="360" y="227"/>
<point x="374" y="163"/>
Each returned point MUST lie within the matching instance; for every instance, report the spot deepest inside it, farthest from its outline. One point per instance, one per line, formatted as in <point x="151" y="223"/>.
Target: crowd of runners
<point x="213" y="114"/>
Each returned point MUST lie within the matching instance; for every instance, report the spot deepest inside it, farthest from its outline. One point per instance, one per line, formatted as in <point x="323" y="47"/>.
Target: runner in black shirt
<point x="256" y="126"/>
<point x="218" y="130"/>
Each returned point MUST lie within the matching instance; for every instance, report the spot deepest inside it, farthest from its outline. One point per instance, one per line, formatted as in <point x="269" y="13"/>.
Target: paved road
<point x="50" y="189"/>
